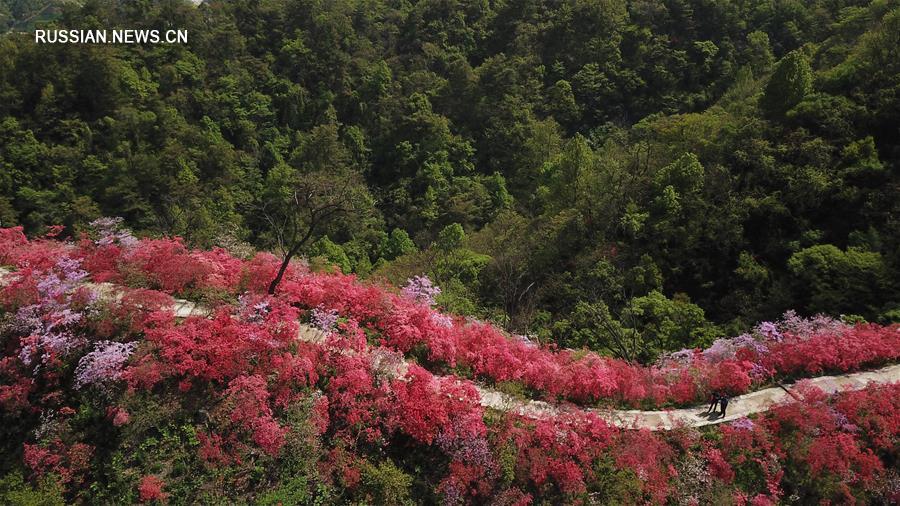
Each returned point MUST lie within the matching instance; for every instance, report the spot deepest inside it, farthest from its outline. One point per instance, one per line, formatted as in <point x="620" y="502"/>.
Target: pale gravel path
<point x="738" y="407"/>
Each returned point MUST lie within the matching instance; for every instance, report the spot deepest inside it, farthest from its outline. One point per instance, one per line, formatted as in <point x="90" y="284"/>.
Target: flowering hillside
<point x="107" y="397"/>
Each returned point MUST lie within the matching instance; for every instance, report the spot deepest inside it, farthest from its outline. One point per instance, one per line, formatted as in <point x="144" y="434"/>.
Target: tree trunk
<point x="287" y="259"/>
<point x="284" y="265"/>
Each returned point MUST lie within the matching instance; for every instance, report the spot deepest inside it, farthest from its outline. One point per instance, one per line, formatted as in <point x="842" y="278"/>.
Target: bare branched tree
<point x="302" y="212"/>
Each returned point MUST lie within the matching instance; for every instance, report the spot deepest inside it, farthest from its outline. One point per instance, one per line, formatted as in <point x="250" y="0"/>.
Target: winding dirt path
<point x="738" y="407"/>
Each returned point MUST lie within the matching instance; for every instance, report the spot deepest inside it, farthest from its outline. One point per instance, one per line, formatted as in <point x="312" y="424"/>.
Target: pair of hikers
<point x="715" y="401"/>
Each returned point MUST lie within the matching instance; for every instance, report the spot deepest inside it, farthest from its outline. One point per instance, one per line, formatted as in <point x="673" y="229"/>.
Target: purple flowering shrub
<point x="52" y="327"/>
<point x="743" y="423"/>
<point x="253" y="308"/>
<point x="49" y="324"/>
<point x="103" y="364"/>
<point x="442" y="320"/>
<point x="109" y="230"/>
<point x="804" y="328"/>
<point x="323" y="319"/>
<point x="421" y="290"/>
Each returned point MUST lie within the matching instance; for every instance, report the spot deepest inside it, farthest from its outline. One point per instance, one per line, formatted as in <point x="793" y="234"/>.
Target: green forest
<point x="577" y="171"/>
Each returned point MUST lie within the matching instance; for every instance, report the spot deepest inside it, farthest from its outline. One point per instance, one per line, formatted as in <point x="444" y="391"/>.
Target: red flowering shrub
<point x="250" y="400"/>
<point x="12" y="242"/>
<point x="211" y="449"/>
<point x="259" y="271"/>
<point x="294" y="373"/>
<point x="18" y="251"/>
<point x="356" y="401"/>
<point x="754" y="454"/>
<point x="119" y="416"/>
<point x="222" y="272"/>
<point x="718" y="466"/>
<point x="866" y="344"/>
<point x="70" y="463"/>
<point x="41" y="459"/>
<point x="222" y="347"/>
<point x="130" y="313"/>
<point x="874" y="414"/>
<point x="20" y="289"/>
<point x="407" y="325"/>
<point x="15" y="390"/>
<point x="839" y="453"/>
<point x="151" y="489"/>
<point x="166" y="264"/>
<point x="101" y="261"/>
<point x="556" y="451"/>
<point x="649" y="457"/>
<point x="426" y="406"/>
<point x="404" y="324"/>
<point x="817" y="441"/>
<point x="731" y="377"/>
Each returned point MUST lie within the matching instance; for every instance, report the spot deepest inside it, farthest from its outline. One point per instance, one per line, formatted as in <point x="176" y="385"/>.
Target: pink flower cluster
<point x="251" y="411"/>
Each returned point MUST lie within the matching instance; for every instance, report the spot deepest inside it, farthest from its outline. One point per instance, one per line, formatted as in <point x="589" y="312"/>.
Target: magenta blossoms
<point x="420" y="289"/>
<point x="103" y="364"/>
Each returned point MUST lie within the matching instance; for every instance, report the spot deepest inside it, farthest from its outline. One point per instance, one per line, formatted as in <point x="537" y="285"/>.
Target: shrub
<point x="151" y="489"/>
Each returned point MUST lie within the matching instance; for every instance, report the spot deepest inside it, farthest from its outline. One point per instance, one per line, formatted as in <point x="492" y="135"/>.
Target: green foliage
<point x="331" y="252"/>
<point x="759" y="52"/>
<point x="14" y="490"/>
<point x="790" y="82"/>
<point x="839" y="279"/>
<point x="395" y="245"/>
<point x="750" y="270"/>
<point x="668" y="324"/>
<point x="614" y="484"/>
<point x="290" y="492"/>
<point x="588" y="326"/>
<point x="386" y="484"/>
<point x="450" y="238"/>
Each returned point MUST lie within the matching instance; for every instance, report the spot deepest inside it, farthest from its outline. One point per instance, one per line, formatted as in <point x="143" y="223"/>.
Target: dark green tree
<point x="790" y="82"/>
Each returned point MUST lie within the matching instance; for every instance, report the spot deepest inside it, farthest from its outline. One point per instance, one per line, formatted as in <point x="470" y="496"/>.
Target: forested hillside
<point x="19" y="15"/>
<point x="660" y="173"/>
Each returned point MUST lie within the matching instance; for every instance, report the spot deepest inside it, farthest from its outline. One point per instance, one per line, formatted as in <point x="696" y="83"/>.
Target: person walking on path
<point x="713" y="403"/>
<point x="723" y="400"/>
